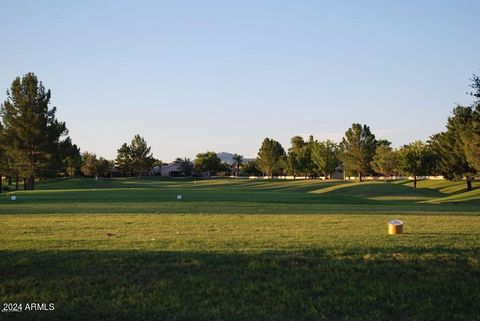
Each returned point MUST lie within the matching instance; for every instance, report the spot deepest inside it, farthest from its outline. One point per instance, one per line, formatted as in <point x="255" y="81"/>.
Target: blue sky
<point x="192" y="76"/>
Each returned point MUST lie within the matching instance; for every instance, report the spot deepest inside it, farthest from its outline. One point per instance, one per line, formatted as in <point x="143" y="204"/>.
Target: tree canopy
<point x="208" y="162"/>
<point x="31" y="133"/>
<point x="416" y="159"/>
<point x="385" y="161"/>
<point x="270" y="157"/>
<point x="135" y="158"/>
<point x="357" y="150"/>
<point x="185" y="165"/>
<point x="325" y="157"/>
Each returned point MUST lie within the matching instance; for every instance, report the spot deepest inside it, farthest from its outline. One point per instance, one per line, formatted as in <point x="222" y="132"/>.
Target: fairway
<point x="240" y="249"/>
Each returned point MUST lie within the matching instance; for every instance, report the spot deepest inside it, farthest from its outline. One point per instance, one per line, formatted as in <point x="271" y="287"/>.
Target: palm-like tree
<point x="185" y="165"/>
<point x="237" y="162"/>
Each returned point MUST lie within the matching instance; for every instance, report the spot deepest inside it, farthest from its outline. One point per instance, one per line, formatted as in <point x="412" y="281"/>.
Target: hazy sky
<point x="192" y="76"/>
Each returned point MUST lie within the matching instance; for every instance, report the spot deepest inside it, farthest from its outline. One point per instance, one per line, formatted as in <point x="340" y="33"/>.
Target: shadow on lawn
<point x="132" y="285"/>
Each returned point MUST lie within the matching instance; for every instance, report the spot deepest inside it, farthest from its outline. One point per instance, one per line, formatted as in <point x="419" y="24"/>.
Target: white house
<point x="172" y="170"/>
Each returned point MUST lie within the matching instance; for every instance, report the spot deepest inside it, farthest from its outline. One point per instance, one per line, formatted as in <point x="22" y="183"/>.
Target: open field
<point x="126" y="249"/>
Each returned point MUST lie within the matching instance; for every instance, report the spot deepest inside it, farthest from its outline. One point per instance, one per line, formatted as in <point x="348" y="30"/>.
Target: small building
<point x="171" y="170"/>
<point x="338" y="174"/>
<point x="155" y="171"/>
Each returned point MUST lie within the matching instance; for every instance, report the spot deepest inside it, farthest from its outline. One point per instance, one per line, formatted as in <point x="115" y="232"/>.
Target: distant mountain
<point x="228" y="157"/>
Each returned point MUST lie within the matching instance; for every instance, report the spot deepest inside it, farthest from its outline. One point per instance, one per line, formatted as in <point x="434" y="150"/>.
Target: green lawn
<point x="126" y="249"/>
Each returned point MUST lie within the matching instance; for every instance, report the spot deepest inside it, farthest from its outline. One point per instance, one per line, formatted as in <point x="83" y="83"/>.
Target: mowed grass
<point x="126" y="249"/>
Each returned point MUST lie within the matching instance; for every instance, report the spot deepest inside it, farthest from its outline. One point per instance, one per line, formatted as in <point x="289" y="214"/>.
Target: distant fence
<point x="392" y="178"/>
<point x="351" y="178"/>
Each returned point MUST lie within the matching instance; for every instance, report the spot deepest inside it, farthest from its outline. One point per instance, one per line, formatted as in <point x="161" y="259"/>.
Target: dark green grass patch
<point x="131" y="285"/>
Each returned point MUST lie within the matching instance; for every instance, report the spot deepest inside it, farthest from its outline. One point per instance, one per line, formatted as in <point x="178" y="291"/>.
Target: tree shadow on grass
<point x="406" y="284"/>
<point x="257" y="197"/>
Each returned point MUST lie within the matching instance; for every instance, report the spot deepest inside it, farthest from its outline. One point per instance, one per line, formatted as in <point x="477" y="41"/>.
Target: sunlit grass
<point x="126" y="249"/>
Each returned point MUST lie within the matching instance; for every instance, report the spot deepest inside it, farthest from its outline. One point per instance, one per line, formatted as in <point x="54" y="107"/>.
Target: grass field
<point x="127" y="249"/>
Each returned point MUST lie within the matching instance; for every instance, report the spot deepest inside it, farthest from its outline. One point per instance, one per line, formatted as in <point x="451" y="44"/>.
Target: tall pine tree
<point x="357" y="150"/>
<point x="31" y="133"/>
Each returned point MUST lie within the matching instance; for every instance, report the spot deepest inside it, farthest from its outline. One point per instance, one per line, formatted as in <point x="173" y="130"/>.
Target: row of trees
<point x="308" y="158"/>
<point x="454" y="153"/>
<point x="207" y="163"/>
<point x="34" y="144"/>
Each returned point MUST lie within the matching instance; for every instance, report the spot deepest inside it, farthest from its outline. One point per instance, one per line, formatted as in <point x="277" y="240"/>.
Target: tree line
<point x="35" y="145"/>
<point x="453" y="153"/>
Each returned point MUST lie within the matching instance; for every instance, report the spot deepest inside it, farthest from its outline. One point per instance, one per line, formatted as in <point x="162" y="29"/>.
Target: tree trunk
<point x="385" y="178"/>
<point x="31" y="182"/>
<point x="469" y="183"/>
<point x="415" y="181"/>
<point x="25" y="182"/>
<point x="16" y="183"/>
<point x="1" y="183"/>
<point x="9" y="180"/>
<point x="360" y="177"/>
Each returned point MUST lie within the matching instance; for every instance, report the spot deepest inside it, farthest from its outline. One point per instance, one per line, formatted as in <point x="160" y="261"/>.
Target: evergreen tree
<point x="31" y="133"/>
<point x="450" y="147"/>
<point x="270" y="157"/>
<point x="141" y="158"/>
<point x="104" y="167"/>
<point x="471" y="133"/>
<point x="70" y="158"/>
<point x="357" y="150"/>
<point x="124" y="160"/>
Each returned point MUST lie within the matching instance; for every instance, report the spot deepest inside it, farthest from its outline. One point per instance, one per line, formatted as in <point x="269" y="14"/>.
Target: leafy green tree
<point x="185" y="165"/>
<point x="325" y="157"/>
<point x="470" y="134"/>
<point x="4" y="161"/>
<point x="208" y="162"/>
<point x="296" y="163"/>
<point x="357" y="150"/>
<point x="475" y="85"/>
<point x="450" y="147"/>
<point x="416" y="159"/>
<point x="458" y="148"/>
<point x="142" y="159"/>
<point x="104" y="167"/>
<point x="270" y="157"/>
<point x="31" y="132"/>
<point x="385" y="161"/>
<point x="311" y="168"/>
<point x="237" y="163"/>
<point x="299" y="159"/>
<point x="124" y="160"/>
<point x="471" y="140"/>
<point x="157" y="162"/>
<point x="250" y="168"/>
<point x="72" y="165"/>
<point x="69" y="156"/>
<point x="90" y="164"/>
<point x="3" y="166"/>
